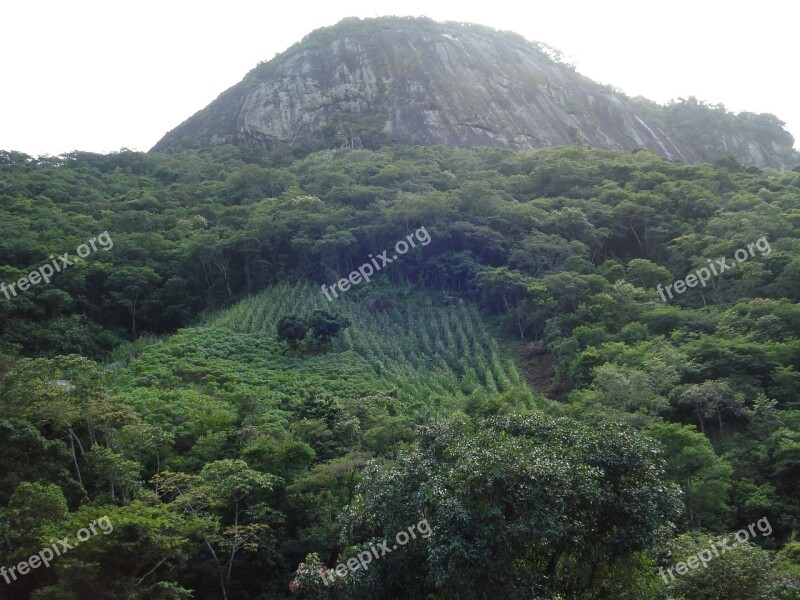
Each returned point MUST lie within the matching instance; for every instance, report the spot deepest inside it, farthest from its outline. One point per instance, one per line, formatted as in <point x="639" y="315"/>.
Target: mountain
<point x="416" y="81"/>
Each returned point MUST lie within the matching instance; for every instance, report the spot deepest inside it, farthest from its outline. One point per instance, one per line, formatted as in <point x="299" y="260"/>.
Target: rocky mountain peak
<point x="362" y="83"/>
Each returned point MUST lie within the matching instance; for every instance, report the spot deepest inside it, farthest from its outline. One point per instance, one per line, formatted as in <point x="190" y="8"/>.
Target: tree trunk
<point x="219" y="570"/>
<point x="638" y="241"/>
<point x="235" y="541"/>
<point x="75" y="457"/>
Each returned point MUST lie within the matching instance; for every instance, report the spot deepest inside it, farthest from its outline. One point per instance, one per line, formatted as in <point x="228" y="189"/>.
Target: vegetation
<point x="564" y="431"/>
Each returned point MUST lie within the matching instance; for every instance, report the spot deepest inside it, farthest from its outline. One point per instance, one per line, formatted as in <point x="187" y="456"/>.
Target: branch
<point x="158" y="564"/>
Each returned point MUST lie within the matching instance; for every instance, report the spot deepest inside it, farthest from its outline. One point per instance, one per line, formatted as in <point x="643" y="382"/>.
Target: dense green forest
<point x="522" y="384"/>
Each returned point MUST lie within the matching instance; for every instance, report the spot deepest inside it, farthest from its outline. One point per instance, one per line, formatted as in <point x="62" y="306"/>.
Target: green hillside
<point x="588" y="418"/>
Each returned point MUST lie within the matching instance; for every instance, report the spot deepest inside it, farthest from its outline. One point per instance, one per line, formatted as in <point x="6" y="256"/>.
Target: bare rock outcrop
<point x="416" y="81"/>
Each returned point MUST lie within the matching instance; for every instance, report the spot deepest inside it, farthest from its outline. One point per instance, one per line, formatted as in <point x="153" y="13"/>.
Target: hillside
<point x="363" y="83"/>
<point x="192" y="385"/>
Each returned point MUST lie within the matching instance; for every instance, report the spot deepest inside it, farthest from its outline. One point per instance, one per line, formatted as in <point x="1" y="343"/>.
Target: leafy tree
<point x="710" y="400"/>
<point x="31" y="510"/>
<point x="631" y="390"/>
<point x="743" y="572"/>
<point x="705" y="478"/>
<point x="512" y="291"/>
<point x="27" y="456"/>
<point x="517" y="504"/>
<point x="137" y="553"/>
<point x="325" y="325"/>
<point x="647" y="274"/>
<point x="221" y="486"/>
<point x="132" y="285"/>
<point x="540" y="253"/>
<point x="115" y="473"/>
<point x="292" y="329"/>
<point x="68" y="394"/>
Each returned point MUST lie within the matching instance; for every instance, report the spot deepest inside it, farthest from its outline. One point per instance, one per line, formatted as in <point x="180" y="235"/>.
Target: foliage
<point x="745" y="572"/>
<point x="225" y="461"/>
<point x="325" y="325"/>
<point x="517" y="505"/>
<point x="291" y="329"/>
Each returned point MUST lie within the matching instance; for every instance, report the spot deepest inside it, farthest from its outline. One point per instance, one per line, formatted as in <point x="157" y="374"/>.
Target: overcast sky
<point x="100" y="76"/>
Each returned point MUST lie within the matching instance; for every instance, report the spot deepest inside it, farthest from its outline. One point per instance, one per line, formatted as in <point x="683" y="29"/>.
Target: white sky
<point x="99" y="76"/>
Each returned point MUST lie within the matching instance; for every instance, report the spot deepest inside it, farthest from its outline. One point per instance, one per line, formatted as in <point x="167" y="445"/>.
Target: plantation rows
<point x="423" y="351"/>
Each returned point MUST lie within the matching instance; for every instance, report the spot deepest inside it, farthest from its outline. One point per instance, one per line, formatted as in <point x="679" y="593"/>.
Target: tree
<point x="292" y="329"/>
<point x="524" y="299"/>
<point x="711" y="399"/>
<point x="704" y="477"/>
<point x="743" y="572"/>
<point x="26" y="455"/>
<point x="137" y="553"/>
<point x="131" y="285"/>
<point x="627" y="389"/>
<point x="220" y="488"/>
<point x="115" y="472"/>
<point x="517" y="505"/>
<point x="69" y="394"/>
<point x="568" y="289"/>
<point x="31" y="510"/>
<point x="647" y="274"/>
<point x="325" y="325"/>
<point x="540" y="253"/>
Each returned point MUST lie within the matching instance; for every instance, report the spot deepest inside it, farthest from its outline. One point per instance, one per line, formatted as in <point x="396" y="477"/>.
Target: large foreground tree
<point x="519" y="507"/>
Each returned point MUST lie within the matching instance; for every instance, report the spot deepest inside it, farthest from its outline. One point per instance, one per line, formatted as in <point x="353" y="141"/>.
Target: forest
<point x="518" y="384"/>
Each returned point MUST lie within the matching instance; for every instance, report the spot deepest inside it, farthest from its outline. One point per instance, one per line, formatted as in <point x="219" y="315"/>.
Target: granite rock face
<point x="416" y="81"/>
